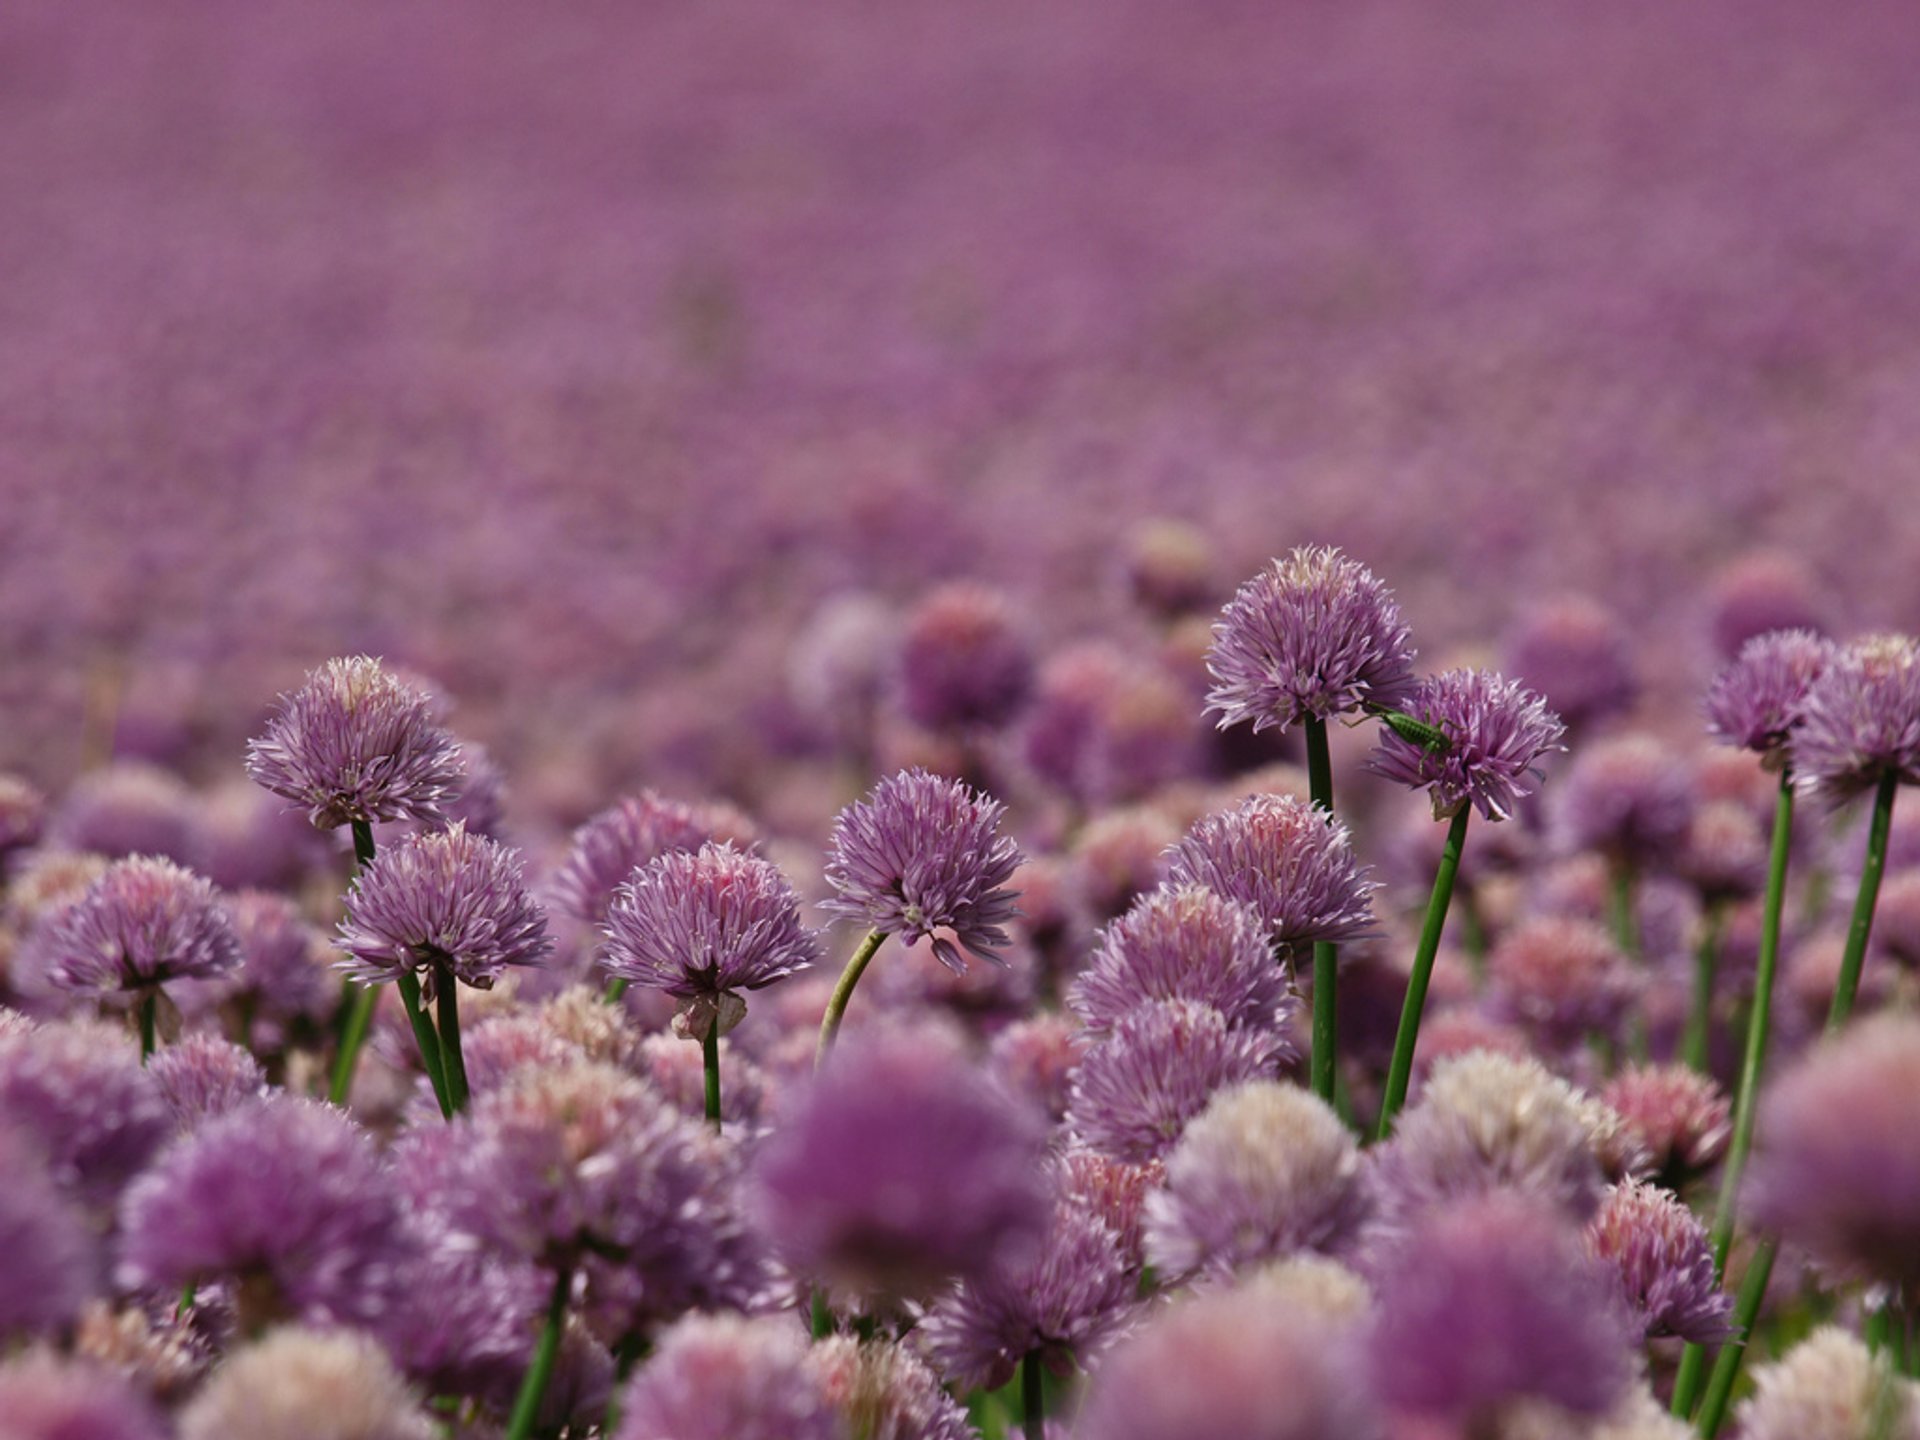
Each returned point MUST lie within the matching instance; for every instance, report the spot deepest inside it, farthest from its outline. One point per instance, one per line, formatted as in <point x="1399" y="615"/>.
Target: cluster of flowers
<point x="1174" y="1126"/>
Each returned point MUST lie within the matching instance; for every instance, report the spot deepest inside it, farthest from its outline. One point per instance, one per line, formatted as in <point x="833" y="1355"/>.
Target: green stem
<point x="424" y="1037"/>
<point x="822" y="1315"/>
<point x="843" y="992"/>
<point x="1323" y="1061"/>
<point x="149" y="1006"/>
<point x="1033" y="1398"/>
<point x="527" y="1404"/>
<point x="710" y="1063"/>
<point x="1400" y="1073"/>
<point x="1686" y="1387"/>
<point x="1877" y="1328"/>
<point x="1861" y="928"/>
<point x="1726" y="1369"/>
<point x="453" y="1064"/>
<point x="1706" y="959"/>
<point x="616" y="987"/>
<point x="1626" y="930"/>
<point x="365" y="998"/>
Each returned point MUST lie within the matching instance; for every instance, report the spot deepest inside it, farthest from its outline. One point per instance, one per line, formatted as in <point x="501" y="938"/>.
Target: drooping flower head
<point x="899" y="1167"/>
<point x="300" y="1384"/>
<point x="1663" y="1258"/>
<point x="707" y="924"/>
<point x="922" y="855"/>
<point x="1184" y="943"/>
<point x="1292" y="863"/>
<point x="1496" y="732"/>
<point x="621" y="839"/>
<point x="1314" y="634"/>
<point x="1755" y="701"/>
<point x="355" y="742"/>
<point x="1832" y="1386"/>
<point x="144" y="922"/>
<point x="727" y="1377"/>
<point x="964" y="661"/>
<point x="442" y="898"/>
<point x="1860" y="720"/>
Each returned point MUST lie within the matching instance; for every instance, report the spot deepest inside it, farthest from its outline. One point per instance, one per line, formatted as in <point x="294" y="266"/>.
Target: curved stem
<point x="424" y="1037"/>
<point x="1400" y="1073"/>
<point x="843" y="992"/>
<point x="1726" y="1369"/>
<point x="453" y="1065"/>
<point x="1706" y="959"/>
<point x="1322" y="1062"/>
<point x="1033" y="1398"/>
<point x="1848" y="986"/>
<point x="363" y="999"/>
<point x="527" y="1404"/>
<point x="710" y="1063"/>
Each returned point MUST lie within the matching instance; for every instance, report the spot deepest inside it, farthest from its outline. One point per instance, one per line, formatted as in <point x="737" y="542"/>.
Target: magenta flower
<point x="144" y="922"/>
<point x="1755" y="702"/>
<point x="1496" y="732"/>
<point x="1663" y="1258"/>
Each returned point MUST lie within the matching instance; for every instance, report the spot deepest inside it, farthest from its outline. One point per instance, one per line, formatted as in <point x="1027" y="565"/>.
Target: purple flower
<point x="619" y="840"/>
<point x="1762" y="591"/>
<point x="1664" y="1261"/>
<point x="1118" y="857"/>
<point x="1755" y="702"/>
<point x="883" y="1391"/>
<point x="726" y="1377"/>
<point x="1497" y="730"/>
<point x="203" y="1076"/>
<point x="144" y="922"/>
<point x="1138" y="1088"/>
<point x="963" y="660"/>
<point x="1169" y="567"/>
<point x="1292" y="863"/>
<point x="130" y="808"/>
<point x="1836" y="1160"/>
<point x="1036" y="1057"/>
<point x="1831" y="1386"/>
<point x="1860" y="720"/>
<point x="899" y="1167"/>
<point x="23" y="811"/>
<point x="922" y="856"/>
<point x="1313" y="635"/>
<point x="48" y="1268"/>
<point x="45" y="1397"/>
<point x="287" y="1196"/>
<point x="1726" y="852"/>
<point x="1234" y="1362"/>
<point x="1106" y="726"/>
<point x="1265" y="1171"/>
<point x="1184" y="943"/>
<point x="442" y="898"/>
<point x="283" y="958"/>
<point x="1629" y="797"/>
<point x="1575" y="653"/>
<point x="1679" y="1116"/>
<point x="707" y="924"/>
<point x="78" y="1091"/>
<point x="298" y="1384"/>
<point x="1561" y="977"/>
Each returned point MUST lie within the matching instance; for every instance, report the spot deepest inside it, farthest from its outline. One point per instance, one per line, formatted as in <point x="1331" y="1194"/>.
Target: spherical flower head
<point x="1496" y="733"/>
<point x="442" y="899"/>
<point x="1106" y="726"/>
<point x="1755" y="702"/>
<point x="1561" y="977"/>
<point x="78" y="1091"/>
<point x="964" y="661"/>
<point x="144" y="922"/>
<point x="1157" y="1069"/>
<point x="46" y="1397"/>
<point x="48" y="1268"/>
<point x="1831" y="1386"/>
<point x="1169" y="567"/>
<point x="1762" y="592"/>
<point x="1117" y="1190"/>
<point x="900" y="1166"/>
<point x="1726" y="855"/>
<point x="1836" y="1161"/>
<point x="1860" y="720"/>
<point x="1629" y="797"/>
<point x="129" y="808"/>
<point x="1036" y="1056"/>
<point x="283" y="966"/>
<point x="619" y="840"/>
<point x="714" y="922"/>
<point x="23" y="812"/>
<point x="1679" y="1116"/>
<point x="1184" y="943"/>
<point x="1233" y="1362"/>
<point x="1118" y="857"/>
<point x="297" y="1384"/>
<point x="922" y="856"/>
<point x="357" y="743"/>
<point x="1576" y="653"/>
<point x="287" y="1196"/>
<point x="1663" y="1258"/>
<point x="1266" y="1170"/>
<point x="727" y="1377"/>
<point x="1495" y="1301"/>
<point x="1289" y="861"/>
<point x="203" y="1076"/>
<point x="883" y="1391"/>
<point x="1314" y="635"/>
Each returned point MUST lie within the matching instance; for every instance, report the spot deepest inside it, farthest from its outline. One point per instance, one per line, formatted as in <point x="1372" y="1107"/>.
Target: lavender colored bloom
<point x="143" y="923"/>
<point x="1170" y="567"/>
<point x="1266" y="1170"/>
<point x="1664" y="1261"/>
<point x="1575" y="653"/>
<point x="1726" y="852"/>
<point x="45" y="1397"/>
<point x="442" y="899"/>
<point x="883" y="1391"/>
<point x="1836" y="1160"/>
<point x="1063" y="1300"/>
<point x="1117" y="1189"/>
<point x="1138" y="1088"/>
<point x="1118" y="857"/>
<point x="297" y="1384"/>
<point x="204" y="1076"/>
<point x="1679" y="1116"/>
<point x="283" y="968"/>
<point x="287" y="1196"/>
<point x="621" y="839"/>
<point x="1494" y="1301"/>
<point x="677" y="1071"/>
<point x="726" y="1377"/>
<point x="130" y="809"/>
<point x="922" y="856"/>
<point x="79" y="1092"/>
<point x="899" y="1167"/>
<point x="48" y="1268"/>
<point x="23" y="811"/>
<point x="1231" y="1363"/>
<point x="1755" y="702"/>
<point x="1313" y="635"/>
<point x="1036" y="1057"/>
<point x="1629" y="797"/>
<point x="1830" y="1386"/>
<point x="1760" y="593"/>
<point x="963" y="660"/>
<point x="1184" y="943"/>
<point x="708" y="924"/>
<point x="1105" y="726"/>
<point x="1496" y="729"/>
<point x="1561" y="977"/>
<point x="1860" y="720"/>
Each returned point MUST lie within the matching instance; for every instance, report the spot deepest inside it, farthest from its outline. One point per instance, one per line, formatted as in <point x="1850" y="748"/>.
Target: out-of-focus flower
<point x="1860" y="720"/>
<point x="1313" y="635"/>
<point x="883" y="1391"/>
<point x="1664" y="1260"/>
<point x="143" y="923"/>
<point x="45" y="1397"/>
<point x="1184" y="943"/>
<point x="1105" y="726"/>
<point x="1628" y="797"/>
<point x="442" y="899"/>
<point x="964" y="661"/>
<point x="204" y="1076"/>
<point x="48" y="1268"/>
<point x="727" y="1377"/>
<point x="1036" y="1057"/>
<point x="1291" y="862"/>
<point x="1755" y="702"/>
<point x="283" y="960"/>
<point x="1830" y="1386"/>
<point x="1169" y="567"/>
<point x="78" y="1091"/>
<point x="130" y="808"/>
<point x="1760" y="593"/>
<point x="297" y="1384"/>
<point x="1679" y="1116"/>
<point x="23" y="812"/>
<point x="1496" y="733"/>
<point x="1725" y="856"/>
<point x="1118" y="857"/>
<point x="1561" y="977"/>
<point x="621" y="839"/>
<point x="1575" y="652"/>
<point x="922" y="856"/>
<point x="356" y="743"/>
